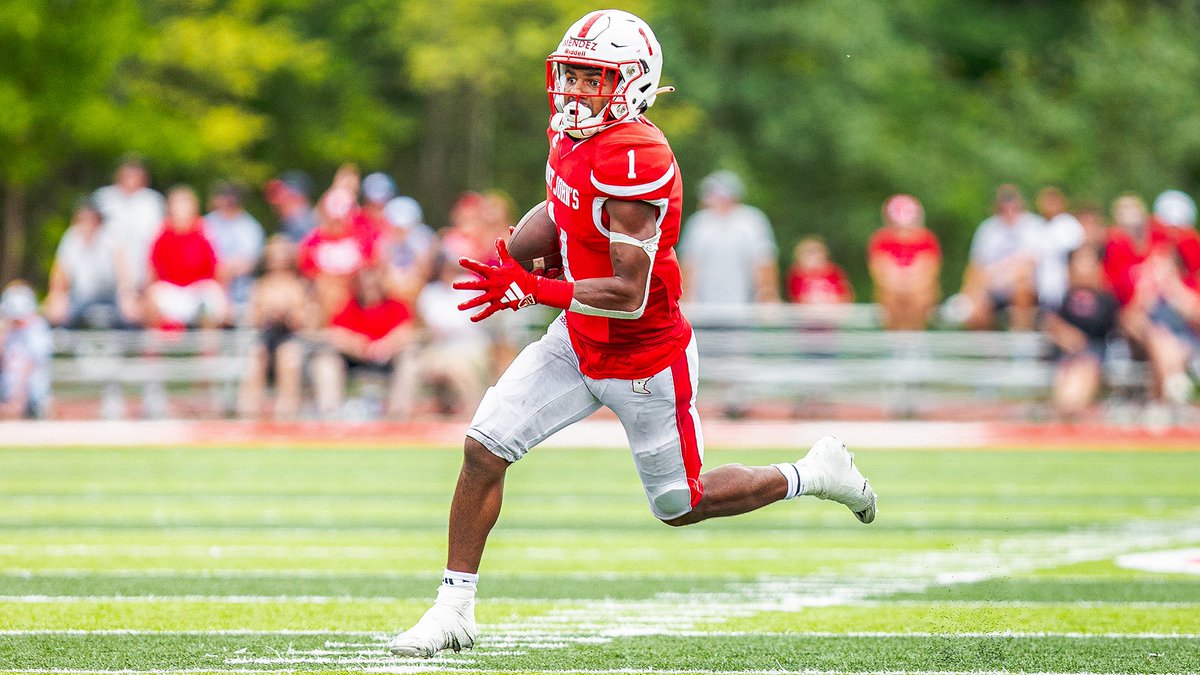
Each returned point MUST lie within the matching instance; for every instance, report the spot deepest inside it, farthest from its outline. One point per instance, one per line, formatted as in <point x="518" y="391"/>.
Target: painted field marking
<point x="381" y="638"/>
<point x="417" y="669"/>
<point x="1181" y="561"/>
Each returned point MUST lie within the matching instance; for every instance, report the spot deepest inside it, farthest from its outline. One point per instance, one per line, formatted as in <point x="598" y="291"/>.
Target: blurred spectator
<point x="289" y="195"/>
<point x="496" y="215"/>
<point x="89" y="280"/>
<point x="1056" y="236"/>
<point x="331" y="254"/>
<point x="727" y="248"/>
<point x="467" y="234"/>
<point x="1080" y="328"/>
<point x="377" y="189"/>
<point x="1176" y="212"/>
<point x="407" y="246"/>
<point x="1171" y="310"/>
<point x="904" y="259"/>
<point x="1130" y="242"/>
<point x="372" y="333"/>
<point x="237" y="239"/>
<point x="1143" y="264"/>
<point x="813" y="278"/>
<point x="1000" y="272"/>
<point x="184" y="291"/>
<point x="25" y="350"/>
<point x="133" y="215"/>
<point x="348" y="179"/>
<point x="279" y="310"/>
<point x="1095" y="230"/>
<point x="455" y="361"/>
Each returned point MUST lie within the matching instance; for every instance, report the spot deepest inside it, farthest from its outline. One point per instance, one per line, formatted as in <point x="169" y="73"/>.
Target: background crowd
<point x="353" y="281"/>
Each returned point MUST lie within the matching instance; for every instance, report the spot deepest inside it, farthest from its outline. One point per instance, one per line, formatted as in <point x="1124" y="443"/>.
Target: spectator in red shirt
<point x="1175" y="212"/>
<point x="371" y="333"/>
<point x="904" y="259"/>
<point x="1159" y="310"/>
<point x="335" y="251"/>
<point x="183" y="290"/>
<point x="1132" y="239"/>
<point x="815" y="280"/>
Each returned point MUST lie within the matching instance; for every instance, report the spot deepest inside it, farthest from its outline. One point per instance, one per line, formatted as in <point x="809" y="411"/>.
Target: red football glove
<point x="509" y="286"/>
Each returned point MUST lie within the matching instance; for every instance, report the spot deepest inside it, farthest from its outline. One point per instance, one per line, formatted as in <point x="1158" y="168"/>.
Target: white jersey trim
<point x="634" y="190"/>
<point x="649" y="246"/>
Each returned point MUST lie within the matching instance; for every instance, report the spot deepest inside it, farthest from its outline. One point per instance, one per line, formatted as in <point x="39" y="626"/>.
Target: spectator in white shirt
<point x="237" y="238"/>
<point x="455" y="360"/>
<point x="727" y="248"/>
<point x="89" y="284"/>
<point x="1058" y="235"/>
<point x="1001" y="272"/>
<point x="25" y="350"/>
<point x="133" y="214"/>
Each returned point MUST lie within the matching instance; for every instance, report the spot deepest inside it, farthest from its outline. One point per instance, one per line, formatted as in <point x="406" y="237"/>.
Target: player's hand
<point x="503" y="286"/>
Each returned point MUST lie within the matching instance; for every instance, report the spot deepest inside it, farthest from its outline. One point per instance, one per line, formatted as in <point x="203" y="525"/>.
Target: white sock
<point x="458" y="586"/>
<point x="791" y="472"/>
<point x="460" y="579"/>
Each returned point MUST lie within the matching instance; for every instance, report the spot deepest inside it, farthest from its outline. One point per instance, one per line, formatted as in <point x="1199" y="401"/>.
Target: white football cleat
<point x="829" y="473"/>
<point x="449" y="624"/>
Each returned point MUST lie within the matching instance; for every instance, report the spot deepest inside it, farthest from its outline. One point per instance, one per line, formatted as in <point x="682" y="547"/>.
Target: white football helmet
<point x="624" y="49"/>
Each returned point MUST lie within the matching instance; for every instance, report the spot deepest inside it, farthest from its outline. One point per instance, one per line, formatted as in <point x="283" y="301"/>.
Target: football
<point x="534" y="241"/>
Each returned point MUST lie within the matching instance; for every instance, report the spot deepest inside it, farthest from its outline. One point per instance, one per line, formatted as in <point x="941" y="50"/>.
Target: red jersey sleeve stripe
<point x="634" y="190"/>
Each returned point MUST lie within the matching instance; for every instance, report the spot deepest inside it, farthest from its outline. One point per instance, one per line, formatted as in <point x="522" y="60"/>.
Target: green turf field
<point x="274" y="560"/>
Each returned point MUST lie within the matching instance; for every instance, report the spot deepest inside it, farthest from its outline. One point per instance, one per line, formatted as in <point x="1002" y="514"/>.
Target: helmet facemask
<point x="571" y="105"/>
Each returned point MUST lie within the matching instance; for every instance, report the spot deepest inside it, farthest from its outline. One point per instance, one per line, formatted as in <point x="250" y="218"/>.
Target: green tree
<point x="56" y="60"/>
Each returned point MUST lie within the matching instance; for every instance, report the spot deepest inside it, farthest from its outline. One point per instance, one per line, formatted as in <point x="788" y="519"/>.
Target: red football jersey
<point x="374" y="322"/>
<point x="183" y="258"/>
<point x="335" y="254"/>
<point x="903" y="247"/>
<point x="1123" y="258"/>
<point x="632" y="162"/>
<point x="821" y="286"/>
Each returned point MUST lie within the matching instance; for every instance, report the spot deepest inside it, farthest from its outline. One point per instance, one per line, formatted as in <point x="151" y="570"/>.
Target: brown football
<point x="534" y="242"/>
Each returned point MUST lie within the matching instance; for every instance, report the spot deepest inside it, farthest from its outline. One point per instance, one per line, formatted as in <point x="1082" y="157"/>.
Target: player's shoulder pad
<point x="633" y="161"/>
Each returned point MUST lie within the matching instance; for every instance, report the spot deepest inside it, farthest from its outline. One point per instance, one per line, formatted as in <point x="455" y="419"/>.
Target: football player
<point x="614" y="192"/>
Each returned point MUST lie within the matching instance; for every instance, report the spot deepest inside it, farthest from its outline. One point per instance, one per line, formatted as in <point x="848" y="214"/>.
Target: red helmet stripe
<point x="649" y="47"/>
<point x="587" y="26"/>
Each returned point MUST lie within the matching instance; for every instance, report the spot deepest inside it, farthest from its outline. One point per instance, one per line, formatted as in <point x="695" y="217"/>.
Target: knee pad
<point x="670" y="501"/>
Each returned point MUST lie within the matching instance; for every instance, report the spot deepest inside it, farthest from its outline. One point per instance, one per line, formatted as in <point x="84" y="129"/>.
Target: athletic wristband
<point x="553" y="292"/>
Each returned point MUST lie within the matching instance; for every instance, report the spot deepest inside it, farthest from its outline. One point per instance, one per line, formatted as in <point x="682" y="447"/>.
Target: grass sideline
<point x="274" y="560"/>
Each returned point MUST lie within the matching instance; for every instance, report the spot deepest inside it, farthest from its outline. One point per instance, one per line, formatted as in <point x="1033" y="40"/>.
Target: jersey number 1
<point x="632" y="173"/>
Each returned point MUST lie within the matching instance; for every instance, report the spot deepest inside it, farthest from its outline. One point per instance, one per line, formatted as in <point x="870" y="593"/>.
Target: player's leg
<point x="660" y="420"/>
<point x="540" y="393"/>
<point x="476" y="506"/>
<point x="827" y="471"/>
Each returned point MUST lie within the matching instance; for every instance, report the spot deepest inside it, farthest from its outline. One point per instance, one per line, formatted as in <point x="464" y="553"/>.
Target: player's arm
<point x="632" y="244"/>
<point x="633" y="241"/>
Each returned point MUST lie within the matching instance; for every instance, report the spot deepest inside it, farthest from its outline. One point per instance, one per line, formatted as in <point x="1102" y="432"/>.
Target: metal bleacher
<point x="796" y="354"/>
<point x="750" y="357"/>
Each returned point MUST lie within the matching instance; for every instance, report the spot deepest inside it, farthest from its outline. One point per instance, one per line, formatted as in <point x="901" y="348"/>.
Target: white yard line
<point x="218" y="599"/>
<point x="381" y="638"/>
<point x="432" y="667"/>
<point x="434" y="577"/>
